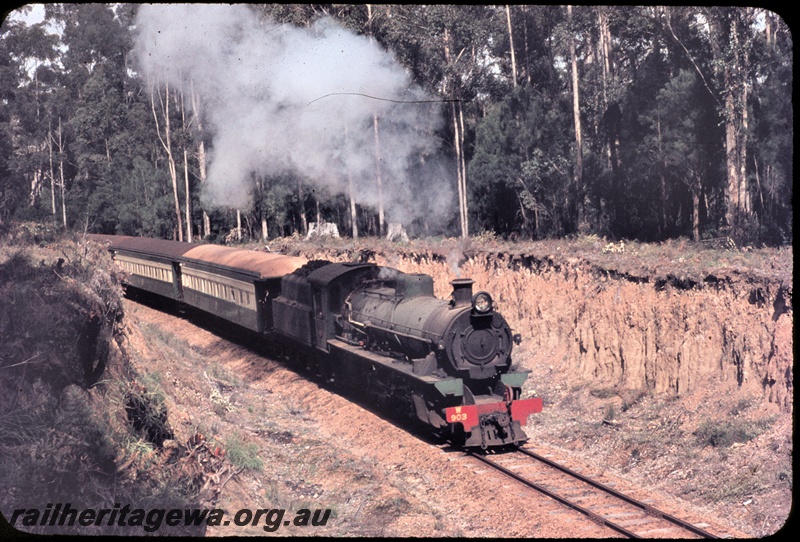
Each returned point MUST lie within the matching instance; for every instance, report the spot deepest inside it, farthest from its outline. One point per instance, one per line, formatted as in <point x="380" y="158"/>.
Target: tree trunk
<point x="525" y="39"/>
<point x="352" y="195"/>
<point x="186" y="177"/>
<point x="353" y="215"/>
<point x="201" y="156"/>
<point x="460" y="176"/>
<point x="511" y="47"/>
<point x="188" y="197"/>
<point x="729" y="52"/>
<point x="166" y="142"/>
<point x="604" y="37"/>
<point x="744" y="192"/>
<point x="463" y="169"/>
<point x="52" y="171"/>
<point x="458" y="138"/>
<point x="605" y="49"/>
<point x="302" y="200"/>
<point x="576" y="114"/>
<point x="62" y="183"/>
<point x="378" y="176"/>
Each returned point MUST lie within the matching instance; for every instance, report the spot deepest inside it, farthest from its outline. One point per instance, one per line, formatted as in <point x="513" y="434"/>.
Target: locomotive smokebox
<point x="462" y="291"/>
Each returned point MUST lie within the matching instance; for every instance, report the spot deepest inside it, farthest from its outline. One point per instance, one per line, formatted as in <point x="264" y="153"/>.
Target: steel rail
<point x="593" y="516"/>
<point x="644" y="506"/>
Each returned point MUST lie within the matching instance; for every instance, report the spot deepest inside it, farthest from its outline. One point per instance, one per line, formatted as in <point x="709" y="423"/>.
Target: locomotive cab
<point x="311" y="301"/>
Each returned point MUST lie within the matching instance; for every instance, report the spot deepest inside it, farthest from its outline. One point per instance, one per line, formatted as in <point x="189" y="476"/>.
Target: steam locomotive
<point x="374" y="330"/>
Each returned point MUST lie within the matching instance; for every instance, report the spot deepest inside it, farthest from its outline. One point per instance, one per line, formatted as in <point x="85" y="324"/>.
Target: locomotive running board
<point x="446" y="386"/>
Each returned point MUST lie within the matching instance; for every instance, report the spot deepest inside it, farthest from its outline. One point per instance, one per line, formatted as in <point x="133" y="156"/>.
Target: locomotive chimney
<point x="462" y="291"/>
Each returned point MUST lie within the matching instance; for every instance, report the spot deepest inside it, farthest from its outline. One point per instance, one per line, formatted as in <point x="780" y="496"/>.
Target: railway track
<point x="603" y="504"/>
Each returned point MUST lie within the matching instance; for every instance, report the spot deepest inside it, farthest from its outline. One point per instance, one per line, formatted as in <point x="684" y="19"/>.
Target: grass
<point x="740" y="486"/>
<point x="393" y="507"/>
<point x="243" y="454"/>
<point x="181" y="348"/>
<point x="224" y="376"/>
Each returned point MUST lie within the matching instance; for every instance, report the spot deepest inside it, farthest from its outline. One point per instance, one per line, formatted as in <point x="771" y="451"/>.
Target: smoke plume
<point x="277" y="98"/>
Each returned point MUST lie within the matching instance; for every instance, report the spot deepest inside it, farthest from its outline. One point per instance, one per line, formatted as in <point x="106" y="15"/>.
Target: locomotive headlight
<point x="482" y="302"/>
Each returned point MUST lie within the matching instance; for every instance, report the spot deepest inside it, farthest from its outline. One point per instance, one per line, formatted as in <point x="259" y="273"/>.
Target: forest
<point x="220" y="122"/>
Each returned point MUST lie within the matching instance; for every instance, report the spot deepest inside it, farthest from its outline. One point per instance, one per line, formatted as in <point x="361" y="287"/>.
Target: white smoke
<point x="278" y="98"/>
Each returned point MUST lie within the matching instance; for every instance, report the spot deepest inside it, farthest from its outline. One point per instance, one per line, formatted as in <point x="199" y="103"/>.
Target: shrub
<point x="725" y="433"/>
<point x="243" y="455"/>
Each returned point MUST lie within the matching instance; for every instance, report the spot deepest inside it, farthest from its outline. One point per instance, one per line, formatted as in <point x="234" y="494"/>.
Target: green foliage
<point x="678" y="162"/>
<point x="244" y="455"/>
<point x="520" y="171"/>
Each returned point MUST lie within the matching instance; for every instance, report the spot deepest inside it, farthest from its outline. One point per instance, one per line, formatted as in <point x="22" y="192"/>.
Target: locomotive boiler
<point x="375" y="331"/>
<point x="468" y="338"/>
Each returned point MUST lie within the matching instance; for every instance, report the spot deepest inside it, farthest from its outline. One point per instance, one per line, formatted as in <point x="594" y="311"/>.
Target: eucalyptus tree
<point x="773" y="131"/>
<point x="93" y="110"/>
<point x="521" y="167"/>
<point x="679" y="124"/>
<point x="730" y="35"/>
<point x="452" y="51"/>
<point x="27" y="82"/>
<point x="736" y="55"/>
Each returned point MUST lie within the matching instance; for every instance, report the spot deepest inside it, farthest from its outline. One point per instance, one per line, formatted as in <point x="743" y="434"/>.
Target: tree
<point x="521" y="165"/>
<point x="166" y="142"/>
<point x="645" y="122"/>
<point x="773" y="132"/>
<point x="449" y="51"/>
<point x="200" y="153"/>
<point x="26" y="87"/>
<point x="679" y="124"/>
<point x="730" y="37"/>
<point x="576" y="116"/>
<point x="511" y="47"/>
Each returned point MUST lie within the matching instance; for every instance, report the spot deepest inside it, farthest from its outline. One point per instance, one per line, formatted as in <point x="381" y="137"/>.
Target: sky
<point x="35" y="15"/>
